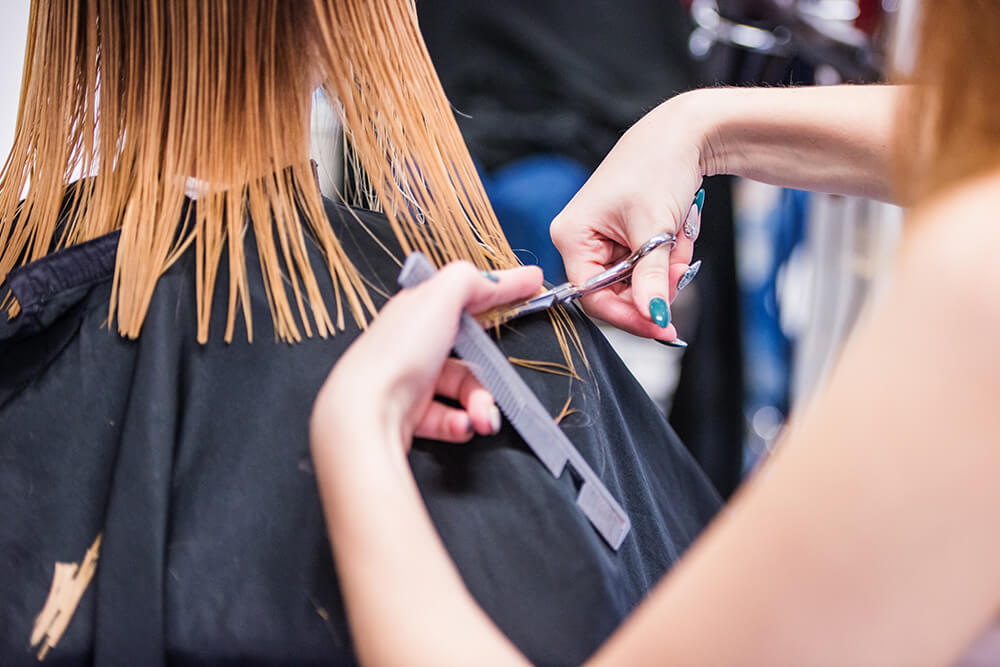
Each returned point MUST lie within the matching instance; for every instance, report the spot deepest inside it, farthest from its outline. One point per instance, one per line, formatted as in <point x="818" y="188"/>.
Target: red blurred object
<point x="869" y="17"/>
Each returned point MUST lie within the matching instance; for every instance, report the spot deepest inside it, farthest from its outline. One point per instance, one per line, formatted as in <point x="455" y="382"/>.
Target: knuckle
<point x="647" y="218"/>
<point x="655" y="269"/>
<point x="559" y="230"/>
<point x="653" y="280"/>
<point x="467" y="384"/>
<point x="461" y="271"/>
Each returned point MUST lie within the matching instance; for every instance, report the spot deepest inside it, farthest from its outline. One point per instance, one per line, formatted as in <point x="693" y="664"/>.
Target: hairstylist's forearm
<point x="406" y="602"/>
<point x="829" y="139"/>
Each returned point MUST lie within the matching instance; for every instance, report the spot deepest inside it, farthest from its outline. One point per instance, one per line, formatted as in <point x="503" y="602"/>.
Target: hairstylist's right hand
<point x="645" y="186"/>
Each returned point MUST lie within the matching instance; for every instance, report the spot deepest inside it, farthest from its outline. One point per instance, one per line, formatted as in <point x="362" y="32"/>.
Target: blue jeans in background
<point x="526" y="194"/>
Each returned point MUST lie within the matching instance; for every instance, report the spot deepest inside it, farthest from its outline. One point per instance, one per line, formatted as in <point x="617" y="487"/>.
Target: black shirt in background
<point x="192" y="461"/>
<point x="554" y="76"/>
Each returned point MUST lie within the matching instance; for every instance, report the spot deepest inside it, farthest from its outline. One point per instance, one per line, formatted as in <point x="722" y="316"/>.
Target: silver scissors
<point x="566" y="292"/>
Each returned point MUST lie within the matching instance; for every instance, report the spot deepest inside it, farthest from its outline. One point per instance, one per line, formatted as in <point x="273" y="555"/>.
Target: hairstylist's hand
<point x="645" y="186"/>
<point x="384" y="385"/>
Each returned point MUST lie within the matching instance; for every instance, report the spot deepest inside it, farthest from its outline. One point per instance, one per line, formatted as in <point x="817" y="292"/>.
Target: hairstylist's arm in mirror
<point x="831" y="139"/>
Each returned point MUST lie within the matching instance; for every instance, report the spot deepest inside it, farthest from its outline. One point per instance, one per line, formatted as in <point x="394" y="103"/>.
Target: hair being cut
<point x="141" y="95"/>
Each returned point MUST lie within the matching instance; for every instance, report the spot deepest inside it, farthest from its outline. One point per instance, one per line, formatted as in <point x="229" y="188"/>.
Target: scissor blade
<point x="543" y="301"/>
<point x="550" y="297"/>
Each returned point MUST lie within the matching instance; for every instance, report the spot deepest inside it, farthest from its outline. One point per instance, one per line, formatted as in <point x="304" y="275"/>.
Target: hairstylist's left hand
<point x="386" y="382"/>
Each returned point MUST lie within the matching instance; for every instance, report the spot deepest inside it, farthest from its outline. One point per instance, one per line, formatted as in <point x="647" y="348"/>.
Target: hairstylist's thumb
<point x="651" y="277"/>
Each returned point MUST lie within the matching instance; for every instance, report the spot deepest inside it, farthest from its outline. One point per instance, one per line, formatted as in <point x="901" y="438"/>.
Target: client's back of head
<point x="140" y="97"/>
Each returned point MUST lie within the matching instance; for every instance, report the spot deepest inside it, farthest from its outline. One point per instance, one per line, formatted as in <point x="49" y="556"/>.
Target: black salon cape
<point x="192" y="461"/>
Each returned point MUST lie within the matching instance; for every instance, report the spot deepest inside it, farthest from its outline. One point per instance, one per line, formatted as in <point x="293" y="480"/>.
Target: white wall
<point x="13" y="29"/>
<point x="13" y="32"/>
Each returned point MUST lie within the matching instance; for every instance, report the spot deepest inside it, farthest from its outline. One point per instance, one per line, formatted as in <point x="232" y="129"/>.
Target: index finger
<point x="460" y="286"/>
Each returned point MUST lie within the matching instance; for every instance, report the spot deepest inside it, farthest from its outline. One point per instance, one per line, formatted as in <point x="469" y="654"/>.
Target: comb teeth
<point x="527" y="415"/>
<point x="416" y="269"/>
<point x="514" y="397"/>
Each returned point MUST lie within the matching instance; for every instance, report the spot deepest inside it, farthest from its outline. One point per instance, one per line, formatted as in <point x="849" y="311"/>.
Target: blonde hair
<point x="139" y="95"/>
<point x="949" y="123"/>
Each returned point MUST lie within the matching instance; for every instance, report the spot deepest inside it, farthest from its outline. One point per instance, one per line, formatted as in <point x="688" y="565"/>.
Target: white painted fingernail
<point x="691" y="222"/>
<point x="495" y="419"/>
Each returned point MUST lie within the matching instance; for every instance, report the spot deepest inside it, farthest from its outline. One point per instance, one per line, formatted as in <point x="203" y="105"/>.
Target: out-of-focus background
<point x="542" y="89"/>
<point x="13" y="31"/>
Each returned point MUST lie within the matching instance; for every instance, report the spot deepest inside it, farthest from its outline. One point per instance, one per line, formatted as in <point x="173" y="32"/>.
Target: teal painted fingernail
<point x="689" y="275"/>
<point x="659" y="312"/>
<point x="699" y="199"/>
<point x="677" y="342"/>
<point x="489" y="276"/>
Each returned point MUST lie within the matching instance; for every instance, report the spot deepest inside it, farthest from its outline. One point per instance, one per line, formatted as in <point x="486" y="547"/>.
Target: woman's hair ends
<point x="139" y="96"/>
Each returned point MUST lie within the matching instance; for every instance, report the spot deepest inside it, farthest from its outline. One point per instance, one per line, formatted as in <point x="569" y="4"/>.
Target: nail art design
<point x="689" y="275"/>
<point x="659" y="312"/>
<point x="677" y="342"/>
<point x="495" y="419"/>
<point x="692" y="222"/>
<point x="489" y="276"/>
<point x="699" y="200"/>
